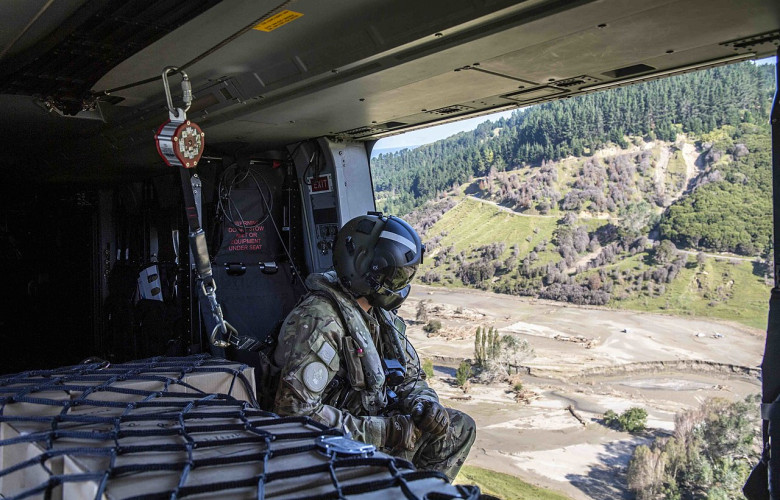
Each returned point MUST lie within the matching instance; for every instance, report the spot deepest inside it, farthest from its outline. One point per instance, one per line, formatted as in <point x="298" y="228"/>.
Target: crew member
<point x="347" y="363"/>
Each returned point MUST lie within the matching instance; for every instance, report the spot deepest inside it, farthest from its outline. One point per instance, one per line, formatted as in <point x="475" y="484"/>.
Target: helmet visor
<point x="389" y="300"/>
<point x="400" y="278"/>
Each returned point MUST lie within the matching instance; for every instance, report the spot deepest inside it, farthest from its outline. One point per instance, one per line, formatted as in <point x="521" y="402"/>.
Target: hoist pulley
<point x="180" y="142"/>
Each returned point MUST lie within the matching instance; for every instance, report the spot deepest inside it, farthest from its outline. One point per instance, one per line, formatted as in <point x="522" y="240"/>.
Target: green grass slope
<point x="474" y="223"/>
<point x="720" y="288"/>
<point x="504" y="486"/>
<point x="717" y="287"/>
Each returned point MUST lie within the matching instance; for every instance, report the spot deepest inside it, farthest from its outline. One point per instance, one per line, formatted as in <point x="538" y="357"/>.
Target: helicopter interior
<point x="291" y="96"/>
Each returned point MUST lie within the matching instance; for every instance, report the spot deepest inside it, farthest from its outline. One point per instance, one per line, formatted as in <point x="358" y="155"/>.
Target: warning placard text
<point x="278" y="20"/>
<point x="246" y="236"/>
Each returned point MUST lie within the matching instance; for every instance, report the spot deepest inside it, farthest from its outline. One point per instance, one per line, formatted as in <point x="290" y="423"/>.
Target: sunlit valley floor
<point x="602" y="359"/>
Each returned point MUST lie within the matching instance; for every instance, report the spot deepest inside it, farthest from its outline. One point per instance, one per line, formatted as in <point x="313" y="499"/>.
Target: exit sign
<point x="322" y="184"/>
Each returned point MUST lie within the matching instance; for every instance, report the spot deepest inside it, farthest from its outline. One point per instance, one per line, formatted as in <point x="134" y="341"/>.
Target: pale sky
<point x="433" y="134"/>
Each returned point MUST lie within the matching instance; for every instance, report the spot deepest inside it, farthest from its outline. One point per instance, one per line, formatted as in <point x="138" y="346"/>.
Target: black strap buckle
<point x="235" y="269"/>
<point x="269" y="267"/>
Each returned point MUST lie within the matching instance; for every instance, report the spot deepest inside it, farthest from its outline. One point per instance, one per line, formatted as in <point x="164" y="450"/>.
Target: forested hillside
<point x="728" y="209"/>
<point x="620" y="197"/>
<point x="693" y="103"/>
<point x="607" y="252"/>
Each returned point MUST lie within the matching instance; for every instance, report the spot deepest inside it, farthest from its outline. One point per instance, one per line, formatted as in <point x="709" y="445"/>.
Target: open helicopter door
<point x="764" y="481"/>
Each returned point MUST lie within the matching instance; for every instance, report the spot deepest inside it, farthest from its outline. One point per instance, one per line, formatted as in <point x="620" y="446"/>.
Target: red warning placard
<point x="246" y="236"/>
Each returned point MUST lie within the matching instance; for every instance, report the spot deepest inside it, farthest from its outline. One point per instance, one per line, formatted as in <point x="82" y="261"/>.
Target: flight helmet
<point x="377" y="257"/>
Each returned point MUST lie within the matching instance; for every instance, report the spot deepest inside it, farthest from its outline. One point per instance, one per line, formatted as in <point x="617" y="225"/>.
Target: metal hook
<point x="228" y="332"/>
<point x="186" y="88"/>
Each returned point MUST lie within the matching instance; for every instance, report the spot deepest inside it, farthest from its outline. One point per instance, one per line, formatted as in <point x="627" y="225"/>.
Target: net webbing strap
<point x="158" y="421"/>
<point x="398" y="477"/>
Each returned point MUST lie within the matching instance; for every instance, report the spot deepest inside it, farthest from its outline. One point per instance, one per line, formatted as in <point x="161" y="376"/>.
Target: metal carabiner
<point x="177" y="114"/>
<point x="222" y="325"/>
<point x="227" y="332"/>
<point x="210" y="292"/>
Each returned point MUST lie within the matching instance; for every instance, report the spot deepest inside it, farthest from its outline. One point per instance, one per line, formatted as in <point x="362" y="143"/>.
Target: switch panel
<point x="336" y="186"/>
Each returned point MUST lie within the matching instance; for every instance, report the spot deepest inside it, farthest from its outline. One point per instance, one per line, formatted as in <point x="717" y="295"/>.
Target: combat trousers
<point x="444" y="453"/>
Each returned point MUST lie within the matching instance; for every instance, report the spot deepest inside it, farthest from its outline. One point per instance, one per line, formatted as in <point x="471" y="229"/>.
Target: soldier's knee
<point x="464" y="428"/>
<point x="469" y="429"/>
<point x="468" y="423"/>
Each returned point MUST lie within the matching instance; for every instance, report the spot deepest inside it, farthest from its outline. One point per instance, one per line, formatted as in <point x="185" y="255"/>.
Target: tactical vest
<point x="364" y="371"/>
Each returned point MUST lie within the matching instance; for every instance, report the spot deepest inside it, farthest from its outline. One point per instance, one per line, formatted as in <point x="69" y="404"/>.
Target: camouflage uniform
<point x="329" y="350"/>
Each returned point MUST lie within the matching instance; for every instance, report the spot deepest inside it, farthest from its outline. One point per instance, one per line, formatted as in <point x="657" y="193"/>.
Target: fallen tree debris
<point x="576" y="415"/>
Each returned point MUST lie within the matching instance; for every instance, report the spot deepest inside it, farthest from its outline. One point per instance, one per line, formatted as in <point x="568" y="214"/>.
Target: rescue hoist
<point x="180" y="143"/>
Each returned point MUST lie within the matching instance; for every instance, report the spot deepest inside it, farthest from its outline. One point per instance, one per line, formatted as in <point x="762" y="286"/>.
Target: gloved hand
<point x="401" y="433"/>
<point x="430" y="417"/>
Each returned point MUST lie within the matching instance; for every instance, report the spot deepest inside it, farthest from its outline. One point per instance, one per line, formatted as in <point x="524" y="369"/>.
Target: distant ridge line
<point x="681" y="365"/>
<point x="686" y="365"/>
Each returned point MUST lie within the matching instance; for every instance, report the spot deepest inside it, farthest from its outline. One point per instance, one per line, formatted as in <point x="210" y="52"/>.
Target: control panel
<point x="336" y="186"/>
<point x="326" y="234"/>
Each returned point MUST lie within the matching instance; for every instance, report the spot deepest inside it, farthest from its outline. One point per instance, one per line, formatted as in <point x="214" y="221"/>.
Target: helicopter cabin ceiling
<point x="266" y="74"/>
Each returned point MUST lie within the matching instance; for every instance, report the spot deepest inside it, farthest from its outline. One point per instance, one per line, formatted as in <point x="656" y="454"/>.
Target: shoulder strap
<point x="393" y="327"/>
<point x="373" y="397"/>
<point x="335" y="303"/>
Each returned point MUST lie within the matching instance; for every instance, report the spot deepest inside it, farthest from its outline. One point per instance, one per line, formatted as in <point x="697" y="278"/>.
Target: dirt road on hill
<point x="541" y="441"/>
<point x="507" y="209"/>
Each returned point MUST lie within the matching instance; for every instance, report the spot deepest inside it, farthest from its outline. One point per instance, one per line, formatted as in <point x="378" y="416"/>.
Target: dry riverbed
<point x="587" y="359"/>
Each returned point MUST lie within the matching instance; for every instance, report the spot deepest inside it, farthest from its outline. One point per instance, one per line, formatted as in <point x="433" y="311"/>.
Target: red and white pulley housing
<point x="179" y="141"/>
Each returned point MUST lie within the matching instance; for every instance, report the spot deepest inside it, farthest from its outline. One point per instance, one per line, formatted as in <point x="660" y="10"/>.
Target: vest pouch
<point x="354" y="366"/>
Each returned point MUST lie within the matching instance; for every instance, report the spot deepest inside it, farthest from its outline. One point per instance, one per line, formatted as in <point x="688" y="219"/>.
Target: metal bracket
<point x="338" y="445"/>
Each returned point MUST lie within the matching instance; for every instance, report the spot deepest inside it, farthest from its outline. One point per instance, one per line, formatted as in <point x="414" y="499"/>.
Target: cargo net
<point x="176" y="428"/>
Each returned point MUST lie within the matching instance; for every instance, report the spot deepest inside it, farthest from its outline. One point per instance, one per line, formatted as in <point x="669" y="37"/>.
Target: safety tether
<point x="180" y="143"/>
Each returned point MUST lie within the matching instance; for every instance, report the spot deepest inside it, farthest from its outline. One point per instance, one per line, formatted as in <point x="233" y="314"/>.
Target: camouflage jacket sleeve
<point x="309" y="352"/>
<point x="414" y="385"/>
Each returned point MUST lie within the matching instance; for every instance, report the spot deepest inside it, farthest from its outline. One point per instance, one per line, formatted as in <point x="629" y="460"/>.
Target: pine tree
<point x="483" y="351"/>
<point x="478" y="347"/>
